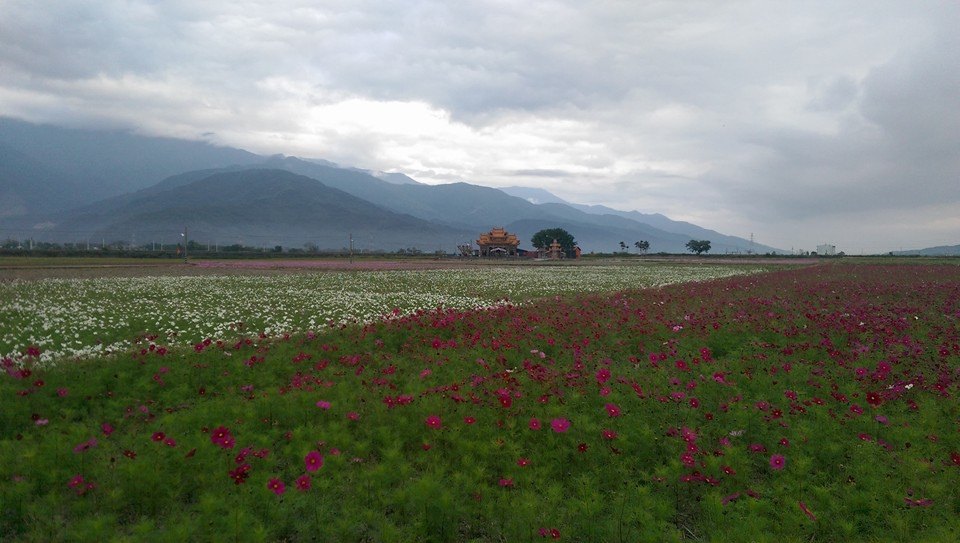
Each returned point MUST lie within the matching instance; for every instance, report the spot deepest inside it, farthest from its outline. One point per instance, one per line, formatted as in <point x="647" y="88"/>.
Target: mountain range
<point x="61" y="184"/>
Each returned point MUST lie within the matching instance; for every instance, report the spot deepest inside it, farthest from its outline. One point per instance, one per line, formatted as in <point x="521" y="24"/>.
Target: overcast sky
<point x="801" y="122"/>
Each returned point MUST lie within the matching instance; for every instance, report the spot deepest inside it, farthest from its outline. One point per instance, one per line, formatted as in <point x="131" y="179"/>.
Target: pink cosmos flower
<point x="433" y="421"/>
<point x="560" y="425"/>
<point x="323" y="404"/>
<point x="303" y="483"/>
<point x="777" y="462"/>
<point x="534" y="424"/>
<point x="220" y="436"/>
<point x="313" y="461"/>
<point x="106" y="428"/>
<point x="612" y="410"/>
<point x="608" y="434"/>
<point x="277" y="486"/>
<point x="523" y="462"/>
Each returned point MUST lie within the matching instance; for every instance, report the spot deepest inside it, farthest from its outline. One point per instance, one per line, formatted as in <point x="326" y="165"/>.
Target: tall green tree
<point x="698" y="246"/>
<point x="543" y="239"/>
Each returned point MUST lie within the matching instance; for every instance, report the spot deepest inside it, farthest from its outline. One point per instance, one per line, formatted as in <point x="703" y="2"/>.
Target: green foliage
<point x="698" y="246"/>
<point x="543" y="239"/>
<point x="747" y="345"/>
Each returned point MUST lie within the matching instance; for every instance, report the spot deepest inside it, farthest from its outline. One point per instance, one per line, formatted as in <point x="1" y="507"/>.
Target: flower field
<point x="812" y="404"/>
<point x="89" y="317"/>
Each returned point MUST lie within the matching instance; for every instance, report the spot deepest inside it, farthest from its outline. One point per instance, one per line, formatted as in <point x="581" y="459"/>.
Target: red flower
<point x="469" y="420"/>
<point x="506" y="483"/>
<point x="612" y="410"/>
<point x="221" y="437"/>
<point x="433" y="421"/>
<point x="303" y="483"/>
<point x="523" y="462"/>
<point x="534" y="423"/>
<point x="313" y="460"/>
<point x="277" y="486"/>
<point x="240" y="474"/>
<point x="874" y="399"/>
<point x="582" y="447"/>
<point x="158" y="436"/>
<point x="608" y="433"/>
<point x="777" y="462"/>
<point x="560" y="425"/>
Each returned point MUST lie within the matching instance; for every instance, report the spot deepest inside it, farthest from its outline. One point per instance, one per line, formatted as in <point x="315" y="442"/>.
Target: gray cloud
<point x="742" y="116"/>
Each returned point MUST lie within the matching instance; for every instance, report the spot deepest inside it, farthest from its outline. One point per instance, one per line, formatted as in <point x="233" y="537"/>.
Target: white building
<point x="826" y="250"/>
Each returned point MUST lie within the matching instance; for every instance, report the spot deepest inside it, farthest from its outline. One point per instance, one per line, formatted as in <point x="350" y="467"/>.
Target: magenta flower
<point x="777" y="462"/>
<point x="433" y="421"/>
<point x="608" y="434"/>
<point x="276" y="486"/>
<point x="313" y="461"/>
<point x="560" y="425"/>
<point x="303" y="483"/>
<point x="612" y="410"/>
<point x="323" y="404"/>
<point x="535" y="423"/>
<point x="221" y="437"/>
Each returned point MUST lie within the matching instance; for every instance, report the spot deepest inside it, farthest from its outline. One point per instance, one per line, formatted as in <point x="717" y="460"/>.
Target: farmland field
<point x="810" y="404"/>
<point x="93" y="316"/>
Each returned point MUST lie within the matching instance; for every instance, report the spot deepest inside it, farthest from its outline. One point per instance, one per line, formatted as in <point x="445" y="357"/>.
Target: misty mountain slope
<point x="458" y="204"/>
<point x="107" y="162"/>
<point x="27" y="186"/>
<point x="272" y="207"/>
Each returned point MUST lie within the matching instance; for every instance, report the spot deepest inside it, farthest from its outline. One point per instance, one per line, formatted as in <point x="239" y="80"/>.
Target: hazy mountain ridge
<point x="940" y="250"/>
<point x="455" y="212"/>
<point x="255" y="207"/>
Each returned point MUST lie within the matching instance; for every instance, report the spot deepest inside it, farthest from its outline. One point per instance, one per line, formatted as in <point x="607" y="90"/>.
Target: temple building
<point x="498" y="242"/>
<point x="555" y="252"/>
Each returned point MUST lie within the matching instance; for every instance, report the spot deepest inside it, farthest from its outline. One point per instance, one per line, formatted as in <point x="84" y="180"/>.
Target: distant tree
<point x="543" y="239"/>
<point x="698" y="246"/>
<point x="642" y="246"/>
<point x="623" y="246"/>
<point x="311" y="247"/>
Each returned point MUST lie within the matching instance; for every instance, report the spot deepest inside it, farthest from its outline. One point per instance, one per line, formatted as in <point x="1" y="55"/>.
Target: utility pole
<point x="351" y="248"/>
<point x="184" y="244"/>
